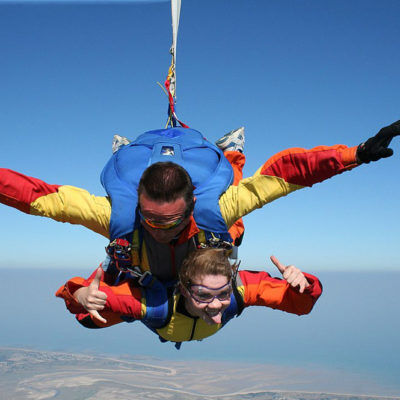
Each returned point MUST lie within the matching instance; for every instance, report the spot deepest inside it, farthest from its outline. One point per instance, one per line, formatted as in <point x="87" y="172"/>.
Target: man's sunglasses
<point x="161" y="225"/>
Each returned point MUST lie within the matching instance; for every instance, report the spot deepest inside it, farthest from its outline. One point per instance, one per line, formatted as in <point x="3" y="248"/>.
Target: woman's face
<point x="216" y="288"/>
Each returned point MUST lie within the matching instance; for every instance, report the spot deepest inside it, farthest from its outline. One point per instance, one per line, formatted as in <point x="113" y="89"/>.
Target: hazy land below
<point x="39" y="375"/>
<point x="348" y="344"/>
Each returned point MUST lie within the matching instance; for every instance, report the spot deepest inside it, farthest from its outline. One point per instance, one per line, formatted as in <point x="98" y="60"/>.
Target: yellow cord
<point x="162" y="87"/>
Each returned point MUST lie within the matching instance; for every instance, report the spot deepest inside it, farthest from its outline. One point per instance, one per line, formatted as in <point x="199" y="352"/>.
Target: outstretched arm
<point x="377" y="147"/>
<point x="94" y="301"/>
<point x="296" y="294"/>
<point x="296" y="168"/>
<point x="61" y="203"/>
<point x="284" y="173"/>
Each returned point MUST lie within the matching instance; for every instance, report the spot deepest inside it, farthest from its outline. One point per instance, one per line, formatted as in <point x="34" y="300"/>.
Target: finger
<point x="298" y="281"/>
<point x="395" y="128"/>
<point x="278" y="264"/>
<point x="99" y="295"/>
<point x="97" y="316"/>
<point x="290" y="273"/>
<point x="304" y="285"/>
<point x="94" y="295"/>
<point x="383" y="152"/>
<point x="386" y="152"/>
<point x="390" y="131"/>
<point x="96" y="302"/>
<point x="94" y="307"/>
<point x="294" y="276"/>
<point x="100" y="302"/>
<point x="97" y="278"/>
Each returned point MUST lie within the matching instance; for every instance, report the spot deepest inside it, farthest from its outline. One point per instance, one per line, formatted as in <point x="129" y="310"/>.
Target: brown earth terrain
<point x="41" y="375"/>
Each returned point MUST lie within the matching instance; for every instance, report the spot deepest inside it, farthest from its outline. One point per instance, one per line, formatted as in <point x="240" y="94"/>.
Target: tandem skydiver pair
<point x="175" y="207"/>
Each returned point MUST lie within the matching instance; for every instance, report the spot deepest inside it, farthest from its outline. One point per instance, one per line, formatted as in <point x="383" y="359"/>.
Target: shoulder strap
<point x="210" y="171"/>
<point x="236" y="307"/>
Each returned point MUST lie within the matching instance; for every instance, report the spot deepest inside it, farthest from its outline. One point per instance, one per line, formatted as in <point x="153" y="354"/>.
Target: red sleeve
<point x="122" y="299"/>
<point x="19" y="191"/>
<point x="88" y="321"/>
<point x="307" y="167"/>
<point x="67" y="291"/>
<point x="260" y="289"/>
<point x="237" y="161"/>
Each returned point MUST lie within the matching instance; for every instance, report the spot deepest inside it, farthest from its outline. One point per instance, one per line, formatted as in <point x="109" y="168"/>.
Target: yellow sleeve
<point x="250" y="194"/>
<point x="75" y="206"/>
<point x="285" y="172"/>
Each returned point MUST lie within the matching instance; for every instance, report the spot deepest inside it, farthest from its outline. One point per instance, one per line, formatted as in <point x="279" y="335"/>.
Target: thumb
<point x="278" y="264"/>
<point x="97" y="279"/>
<point x="385" y="152"/>
<point x="97" y="316"/>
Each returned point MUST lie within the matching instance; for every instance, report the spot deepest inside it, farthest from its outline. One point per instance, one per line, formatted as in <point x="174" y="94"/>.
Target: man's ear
<point x="194" y="202"/>
<point x="192" y="206"/>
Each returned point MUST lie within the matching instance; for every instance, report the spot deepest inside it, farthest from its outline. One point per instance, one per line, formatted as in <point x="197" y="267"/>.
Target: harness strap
<point x="124" y="258"/>
<point x="238" y="298"/>
<point x="214" y="240"/>
<point x="170" y="82"/>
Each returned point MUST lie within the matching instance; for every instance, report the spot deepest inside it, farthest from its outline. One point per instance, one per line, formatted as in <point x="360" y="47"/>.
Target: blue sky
<point x="294" y="73"/>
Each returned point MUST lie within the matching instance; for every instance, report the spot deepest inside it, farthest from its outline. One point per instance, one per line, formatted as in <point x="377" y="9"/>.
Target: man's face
<point x="216" y="288"/>
<point x="157" y="216"/>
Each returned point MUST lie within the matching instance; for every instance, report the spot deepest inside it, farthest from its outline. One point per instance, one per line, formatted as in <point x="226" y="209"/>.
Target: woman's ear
<point x="182" y="289"/>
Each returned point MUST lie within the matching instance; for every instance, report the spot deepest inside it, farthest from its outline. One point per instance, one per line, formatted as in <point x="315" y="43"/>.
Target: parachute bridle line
<point x="170" y="82"/>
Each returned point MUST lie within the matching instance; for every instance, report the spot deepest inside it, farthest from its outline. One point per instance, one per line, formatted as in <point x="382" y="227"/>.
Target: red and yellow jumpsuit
<point x="127" y="302"/>
<point x="285" y="172"/>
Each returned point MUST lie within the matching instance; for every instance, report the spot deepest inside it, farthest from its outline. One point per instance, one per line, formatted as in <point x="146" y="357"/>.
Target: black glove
<point x="376" y="147"/>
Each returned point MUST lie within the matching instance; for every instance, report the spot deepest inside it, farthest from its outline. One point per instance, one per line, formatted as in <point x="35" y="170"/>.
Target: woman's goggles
<point x="204" y="294"/>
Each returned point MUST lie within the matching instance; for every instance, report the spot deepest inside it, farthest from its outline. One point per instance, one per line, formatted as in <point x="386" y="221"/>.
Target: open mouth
<point x="213" y="313"/>
<point x="213" y="316"/>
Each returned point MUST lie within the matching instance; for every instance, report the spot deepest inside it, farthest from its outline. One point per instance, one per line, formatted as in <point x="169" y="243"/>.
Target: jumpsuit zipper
<point x="193" y="328"/>
<point x="173" y="266"/>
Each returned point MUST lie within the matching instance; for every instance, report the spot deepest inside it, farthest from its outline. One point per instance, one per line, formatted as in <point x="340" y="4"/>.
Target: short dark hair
<point x="167" y="181"/>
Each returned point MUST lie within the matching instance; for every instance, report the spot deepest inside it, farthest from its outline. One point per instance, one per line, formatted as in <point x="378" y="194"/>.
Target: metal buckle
<point x="145" y="275"/>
